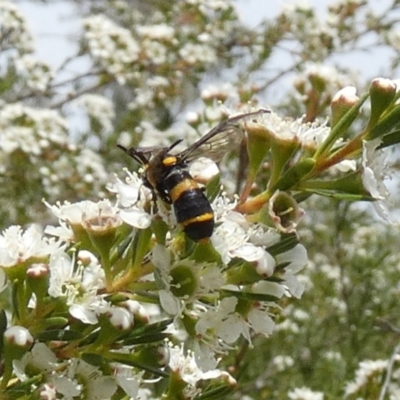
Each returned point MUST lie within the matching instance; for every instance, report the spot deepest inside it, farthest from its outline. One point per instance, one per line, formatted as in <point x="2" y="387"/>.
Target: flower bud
<point x="17" y="341"/>
<point x="120" y="318"/>
<point x="38" y="279"/>
<point x="382" y="92"/>
<point x="342" y="102"/>
<point x="18" y="336"/>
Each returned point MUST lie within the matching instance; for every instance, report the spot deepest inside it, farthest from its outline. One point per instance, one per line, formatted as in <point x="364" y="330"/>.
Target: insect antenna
<point x="175" y="144"/>
<point x="136" y="155"/>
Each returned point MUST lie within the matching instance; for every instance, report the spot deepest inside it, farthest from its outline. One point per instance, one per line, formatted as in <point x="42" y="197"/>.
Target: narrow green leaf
<point x="294" y="175"/>
<point x="340" y="129"/>
<point x="350" y="184"/>
<point x="390" y="139"/>
<point x="150" y="338"/>
<point x="389" y="122"/>
<point x="287" y="242"/>
<point x="129" y="359"/>
<point x="250" y="296"/>
<point x="59" y="334"/>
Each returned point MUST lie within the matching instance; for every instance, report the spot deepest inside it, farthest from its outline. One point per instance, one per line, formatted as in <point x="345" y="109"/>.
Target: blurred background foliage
<point x="140" y="66"/>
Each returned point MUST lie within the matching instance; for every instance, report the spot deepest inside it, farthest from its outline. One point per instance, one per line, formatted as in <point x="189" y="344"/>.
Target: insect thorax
<point x="163" y="172"/>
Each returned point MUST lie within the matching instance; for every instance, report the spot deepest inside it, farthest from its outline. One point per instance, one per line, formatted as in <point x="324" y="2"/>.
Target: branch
<point x="389" y="373"/>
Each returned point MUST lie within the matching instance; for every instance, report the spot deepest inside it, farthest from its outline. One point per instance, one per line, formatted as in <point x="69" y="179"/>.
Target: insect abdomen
<point x="192" y="209"/>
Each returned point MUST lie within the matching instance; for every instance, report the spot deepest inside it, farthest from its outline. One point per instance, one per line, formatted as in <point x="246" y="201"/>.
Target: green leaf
<point x="59" y="334"/>
<point x="342" y="196"/>
<point x="213" y="187"/>
<point x="287" y="242"/>
<point x="3" y="327"/>
<point x="390" y="139"/>
<point x="150" y="338"/>
<point x="340" y="129"/>
<point x="389" y="122"/>
<point x="348" y="187"/>
<point x="130" y="359"/>
<point x="90" y="338"/>
<point x="294" y="175"/>
<point x="156" y="327"/>
<point x="95" y="359"/>
<point x="250" y="296"/>
<point x="215" y="392"/>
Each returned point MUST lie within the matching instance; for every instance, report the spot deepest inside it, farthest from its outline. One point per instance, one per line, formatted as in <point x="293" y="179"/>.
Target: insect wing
<point x="224" y="137"/>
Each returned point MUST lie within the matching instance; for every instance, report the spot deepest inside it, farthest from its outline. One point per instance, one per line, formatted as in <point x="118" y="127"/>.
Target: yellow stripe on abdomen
<point x="181" y="187"/>
<point x="200" y="218"/>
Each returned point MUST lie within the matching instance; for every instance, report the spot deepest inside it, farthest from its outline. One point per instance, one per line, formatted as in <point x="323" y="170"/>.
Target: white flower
<point x="296" y="257"/>
<point x="98" y="216"/>
<point x="162" y="32"/>
<point x="197" y="53"/>
<point x="305" y="394"/>
<point x="269" y="288"/>
<point x="367" y="369"/>
<point x="14" y="28"/>
<point x="99" y="108"/>
<point x="132" y="197"/>
<point x="224" y="322"/>
<point x="47" y="392"/>
<point x="113" y="46"/>
<point x="80" y="285"/>
<point x="37" y="73"/>
<point x="18" y="246"/>
<point x="32" y="130"/>
<point x="203" y="170"/>
<point x="374" y="172"/>
<point x="214" y="91"/>
<point x="309" y="135"/>
<point x="40" y="357"/>
<point x="260" y="321"/>
<point x="92" y="383"/>
<point x="187" y="368"/>
<point x="184" y="282"/>
<point x="128" y="380"/>
<point x="283" y="362"/>
<point x="231" y="239"/>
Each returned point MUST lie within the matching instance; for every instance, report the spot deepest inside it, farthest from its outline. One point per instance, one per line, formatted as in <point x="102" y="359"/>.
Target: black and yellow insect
<point x="168" y="176"/>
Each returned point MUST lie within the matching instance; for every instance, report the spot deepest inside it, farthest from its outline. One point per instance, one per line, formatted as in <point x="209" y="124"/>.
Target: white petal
<point x="230" y="329"/>
<point x="136" y="218"/>
<point x="83" y="314"/>
<point x="296" y="288"/>
<point x="169" y="303"/>
<point x="297" y="257"/>
<point x="270" y="288"/>
<point x="261" y="322"/>
<point x="249" y="252"/>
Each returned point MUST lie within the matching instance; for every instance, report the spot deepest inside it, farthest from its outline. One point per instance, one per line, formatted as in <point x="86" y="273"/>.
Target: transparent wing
<point x="224" y="137"/>
<point x="143" y="154"/>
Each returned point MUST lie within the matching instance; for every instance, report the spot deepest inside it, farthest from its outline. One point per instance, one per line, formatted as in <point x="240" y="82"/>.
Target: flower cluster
<point x="99" y="110"/>
<point x="39" y="138"/>
<point x="125" y="279"/>
<point x="37" y="74"/>
<point x="114" y="47"/>
<point x="15" y="34"/>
